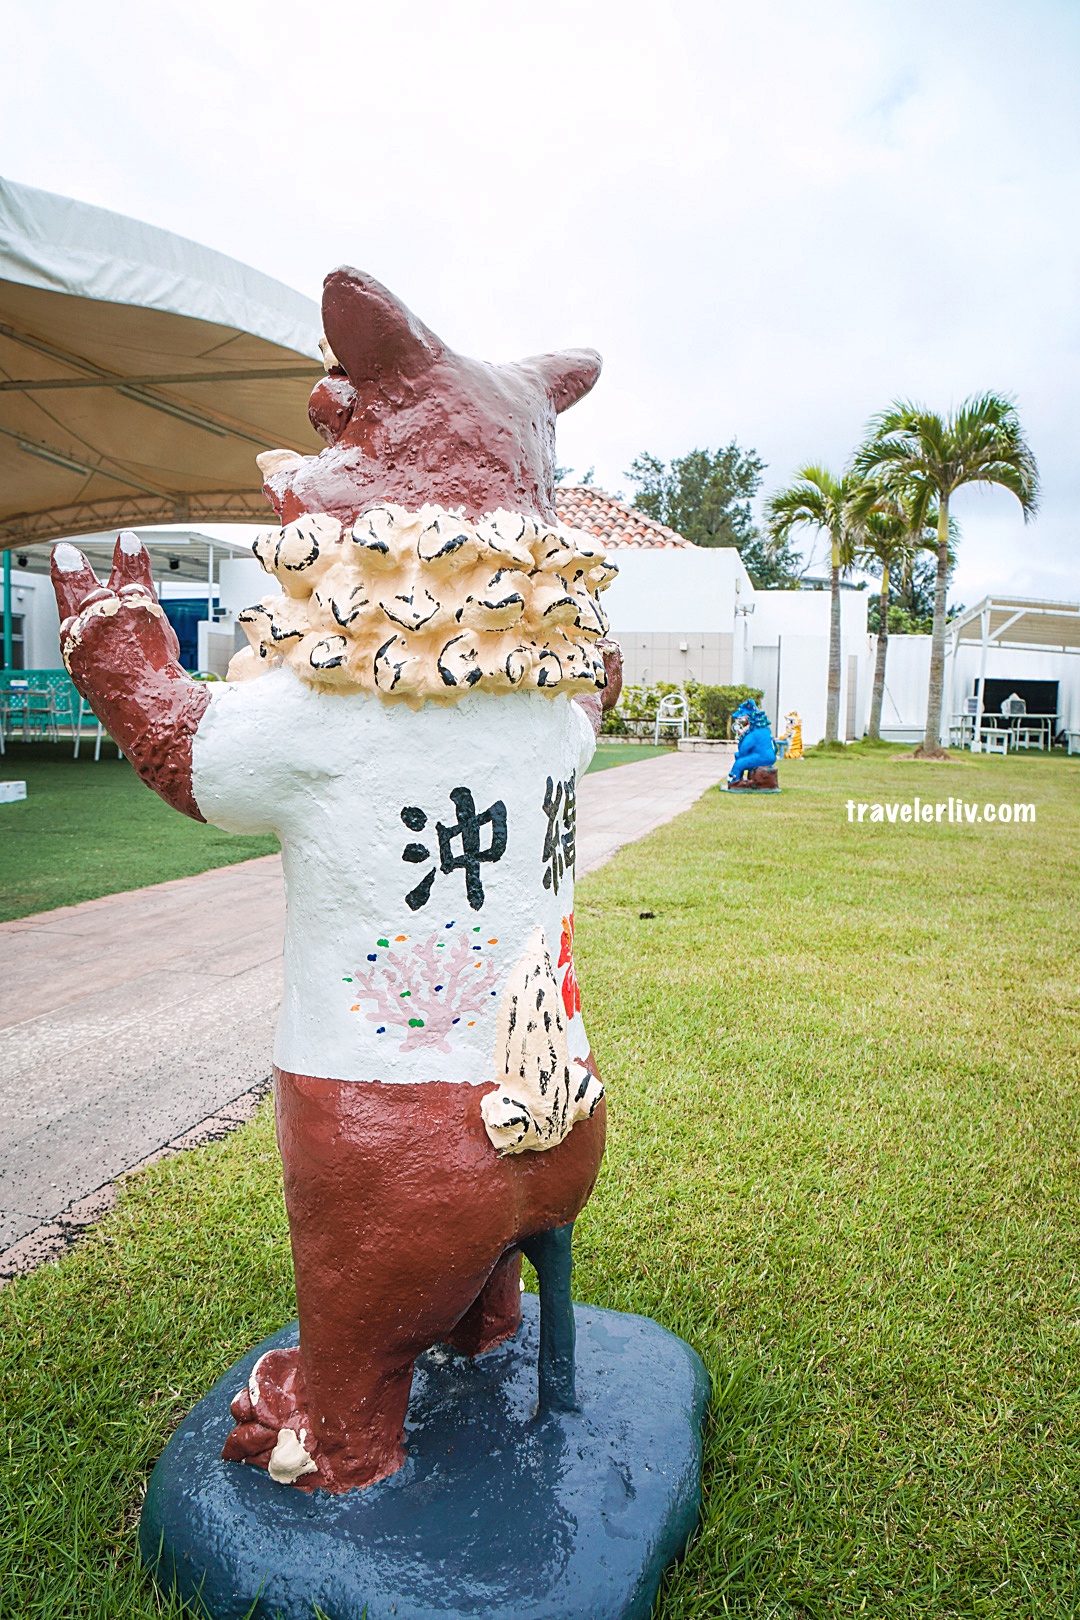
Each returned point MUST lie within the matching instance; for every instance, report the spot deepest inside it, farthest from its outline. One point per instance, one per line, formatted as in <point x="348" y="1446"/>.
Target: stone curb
<point x="56" y="1236"/>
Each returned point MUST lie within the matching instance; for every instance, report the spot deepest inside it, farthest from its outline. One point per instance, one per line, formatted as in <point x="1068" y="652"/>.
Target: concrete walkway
<point x="143" y="1023"/>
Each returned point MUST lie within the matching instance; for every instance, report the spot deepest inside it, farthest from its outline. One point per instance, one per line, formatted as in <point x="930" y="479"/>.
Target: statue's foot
<point x="273" y="1428"/>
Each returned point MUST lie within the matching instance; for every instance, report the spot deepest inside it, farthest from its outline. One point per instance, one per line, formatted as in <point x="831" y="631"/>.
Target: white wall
<point x="242" y="582"/>
<point x="32" y="597"/>
<point x="680" y="611"/>
<point x="907" y="687"/>
<point x="686" y="589"/>
<point x="667" y="655"/>
<point x="217" y="644"/>
<point x="797" y="624"/>
<point x="907" y="682"/>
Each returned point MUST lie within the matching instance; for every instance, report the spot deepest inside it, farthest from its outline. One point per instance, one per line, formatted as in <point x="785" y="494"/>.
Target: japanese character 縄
<point x="464" y="833"/>
<point x="560" y="807"/>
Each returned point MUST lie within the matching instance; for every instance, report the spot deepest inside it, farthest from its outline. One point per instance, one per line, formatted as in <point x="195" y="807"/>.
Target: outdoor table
<point x="33" y="708"/>
<point x="962" y="729"/>
<point x="1044" y="724"/>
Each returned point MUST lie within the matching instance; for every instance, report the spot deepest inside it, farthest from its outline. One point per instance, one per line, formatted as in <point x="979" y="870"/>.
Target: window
<point x="18" y="642"/>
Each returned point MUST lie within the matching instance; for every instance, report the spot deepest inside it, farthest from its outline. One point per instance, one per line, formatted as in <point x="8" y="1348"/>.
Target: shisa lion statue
<point x="753" y="769"/>
<point x="417" y="700"/>
<point x="404" y="718"/>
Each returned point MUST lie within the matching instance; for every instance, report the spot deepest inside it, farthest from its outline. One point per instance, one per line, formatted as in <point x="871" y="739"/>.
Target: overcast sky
<point x="771" y="218"/>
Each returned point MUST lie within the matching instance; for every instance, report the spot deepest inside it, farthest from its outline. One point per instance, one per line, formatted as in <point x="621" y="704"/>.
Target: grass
<point x="90" y="828"/>
<point x="610" y="754"/>
<point x="843" y="1066"/>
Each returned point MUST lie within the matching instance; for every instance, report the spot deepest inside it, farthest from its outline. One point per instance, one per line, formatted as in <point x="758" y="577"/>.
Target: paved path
<point x="142" y="1022"/>
<point x="619" y="805"/>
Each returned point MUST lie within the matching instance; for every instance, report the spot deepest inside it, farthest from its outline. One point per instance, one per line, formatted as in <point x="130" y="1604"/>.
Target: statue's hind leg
<point x="551" y="1254"/>
<point x="495" y="1314"/>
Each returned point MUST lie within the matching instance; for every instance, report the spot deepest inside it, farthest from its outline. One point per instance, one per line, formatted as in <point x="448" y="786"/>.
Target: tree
<point x="770" y="568"/>
<point x="912" y="609"/>
<point x="890" y="536"/>
<point x="818" y="500"/>
<point x="705" y="496"/>
<point x="925" y="458"/>
<point x="565" y="475"/>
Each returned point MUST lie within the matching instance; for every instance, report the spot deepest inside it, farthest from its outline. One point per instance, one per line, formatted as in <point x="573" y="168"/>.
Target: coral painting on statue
<point x="412" y="715"/>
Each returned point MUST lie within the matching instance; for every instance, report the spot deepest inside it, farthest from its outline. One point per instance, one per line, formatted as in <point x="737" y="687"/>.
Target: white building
<point x="186" y="565"/>
<point x="679" y="610"/>
<point x="35" y="623"/>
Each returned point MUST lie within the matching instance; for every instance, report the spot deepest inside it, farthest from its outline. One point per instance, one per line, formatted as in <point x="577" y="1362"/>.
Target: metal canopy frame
<point x="178" y="556"/>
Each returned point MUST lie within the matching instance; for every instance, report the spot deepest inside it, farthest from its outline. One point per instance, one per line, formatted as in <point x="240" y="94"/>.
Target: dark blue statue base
<point x="496" y="1512"/>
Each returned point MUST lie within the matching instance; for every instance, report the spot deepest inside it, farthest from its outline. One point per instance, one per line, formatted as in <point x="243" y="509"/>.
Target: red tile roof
<point x="619" y="526"/>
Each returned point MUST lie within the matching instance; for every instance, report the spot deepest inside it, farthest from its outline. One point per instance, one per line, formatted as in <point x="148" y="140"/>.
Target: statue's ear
<point x="568" y="376"/>
<point x="371" y="332"/>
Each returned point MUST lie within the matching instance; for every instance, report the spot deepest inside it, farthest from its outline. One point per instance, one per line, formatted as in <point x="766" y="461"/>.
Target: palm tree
<point x="822" y="502"/>
<point x="926" y="457"/>
<point x="890" y="536"/>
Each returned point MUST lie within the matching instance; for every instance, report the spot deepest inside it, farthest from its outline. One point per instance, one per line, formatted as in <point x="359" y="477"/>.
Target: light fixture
<point x="45" y="452"/>
<point x="22" y="559"/>
<point x="167" y="408"/>
<point x="174" y="564"/>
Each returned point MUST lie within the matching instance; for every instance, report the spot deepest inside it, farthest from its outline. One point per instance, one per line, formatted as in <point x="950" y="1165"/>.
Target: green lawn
<point x="843" y="1065"/>
<point x="87" y="829"/>
<point x="609" y="754"/>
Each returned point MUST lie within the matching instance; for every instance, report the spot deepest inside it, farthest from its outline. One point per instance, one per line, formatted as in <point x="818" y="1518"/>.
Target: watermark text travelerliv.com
<point x="921" y="812"/>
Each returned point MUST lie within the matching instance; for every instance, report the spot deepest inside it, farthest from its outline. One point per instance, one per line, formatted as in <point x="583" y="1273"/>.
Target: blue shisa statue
<point x="754" y="767"/>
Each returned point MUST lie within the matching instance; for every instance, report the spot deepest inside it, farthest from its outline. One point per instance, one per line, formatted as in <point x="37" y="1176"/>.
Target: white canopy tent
<point x="140" y="375"/>
<point x="1011" y="623"/>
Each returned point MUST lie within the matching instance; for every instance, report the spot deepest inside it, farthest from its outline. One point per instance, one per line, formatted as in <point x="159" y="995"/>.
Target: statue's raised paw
<point x="123" y="656"/>
<point x="127" y="610"/>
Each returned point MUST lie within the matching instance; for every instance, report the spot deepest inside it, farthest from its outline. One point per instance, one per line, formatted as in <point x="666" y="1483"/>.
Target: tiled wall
<point x="650" y="656"/>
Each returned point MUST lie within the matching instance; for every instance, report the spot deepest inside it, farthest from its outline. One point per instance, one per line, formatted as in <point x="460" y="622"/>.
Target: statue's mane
<point x="428" y="605"/>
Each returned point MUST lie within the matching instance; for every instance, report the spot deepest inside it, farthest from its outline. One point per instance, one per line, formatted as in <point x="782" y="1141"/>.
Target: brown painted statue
<point x="411" y="717"/>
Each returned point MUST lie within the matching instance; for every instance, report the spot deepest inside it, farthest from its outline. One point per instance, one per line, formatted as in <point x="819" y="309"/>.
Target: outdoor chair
<point x="86" y="716"/>
<point x="993" y="742"/>
<point x="1030" y="737"/>
<point x="672" y="711"/>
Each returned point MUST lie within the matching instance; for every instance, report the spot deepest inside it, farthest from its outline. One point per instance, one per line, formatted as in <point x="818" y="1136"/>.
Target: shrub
<point x="635" y="713"/>
<point x="710" y="708"/>
<point x="718" y="704"/>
